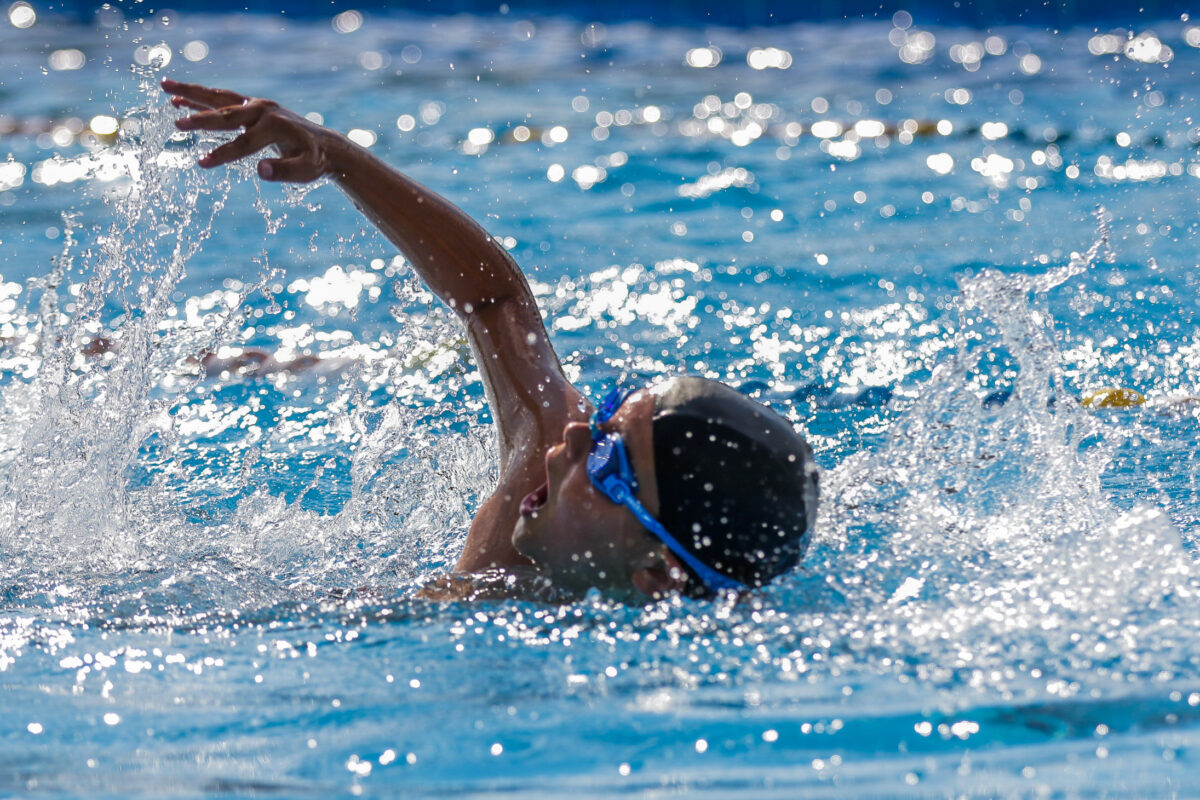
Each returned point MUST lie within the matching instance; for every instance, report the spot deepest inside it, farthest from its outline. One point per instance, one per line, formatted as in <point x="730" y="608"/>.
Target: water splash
<point x="100" y="429"/>
<point x="65" y="496"/>
<point x="978" y="539"/>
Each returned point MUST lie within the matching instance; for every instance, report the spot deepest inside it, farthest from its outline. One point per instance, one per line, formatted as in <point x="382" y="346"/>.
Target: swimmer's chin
<point x="521" y="536"/>
<point x="526" y="536"/>
<point x="525" y="540"/>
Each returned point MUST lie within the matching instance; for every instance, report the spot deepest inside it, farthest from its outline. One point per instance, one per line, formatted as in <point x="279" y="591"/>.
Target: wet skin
<point x="577" y="538"/>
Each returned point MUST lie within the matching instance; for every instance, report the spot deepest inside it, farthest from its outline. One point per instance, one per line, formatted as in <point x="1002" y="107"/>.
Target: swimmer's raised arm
<point x="530" y="397"/>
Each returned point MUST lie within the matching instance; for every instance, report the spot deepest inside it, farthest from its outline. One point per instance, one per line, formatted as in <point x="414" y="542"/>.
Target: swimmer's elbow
<point x="496" y="309"/>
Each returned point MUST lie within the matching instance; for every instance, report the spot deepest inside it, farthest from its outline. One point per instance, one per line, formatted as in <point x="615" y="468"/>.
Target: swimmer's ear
<point x="659" y="574"/>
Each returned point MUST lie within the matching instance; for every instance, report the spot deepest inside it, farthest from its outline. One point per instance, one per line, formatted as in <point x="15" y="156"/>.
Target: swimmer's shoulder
<point x="510" y="583"/>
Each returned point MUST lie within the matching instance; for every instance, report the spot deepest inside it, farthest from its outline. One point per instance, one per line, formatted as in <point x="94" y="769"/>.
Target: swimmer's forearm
<point x="451" y="252"/>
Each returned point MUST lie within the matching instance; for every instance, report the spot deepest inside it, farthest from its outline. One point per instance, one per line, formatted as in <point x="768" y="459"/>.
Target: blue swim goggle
<point x="611" y="473"/>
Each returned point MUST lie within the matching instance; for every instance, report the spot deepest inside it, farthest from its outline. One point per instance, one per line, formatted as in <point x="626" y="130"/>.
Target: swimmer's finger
<point x="209" y="98"/>
<point x="297" y="169"/>
<point x="222" y="119"/>
<point x="249" y="142"/>
<point x="181" y="102"/>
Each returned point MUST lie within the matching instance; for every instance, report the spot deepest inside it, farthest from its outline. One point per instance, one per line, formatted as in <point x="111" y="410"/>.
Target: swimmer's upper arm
<point x="528" y="392"/>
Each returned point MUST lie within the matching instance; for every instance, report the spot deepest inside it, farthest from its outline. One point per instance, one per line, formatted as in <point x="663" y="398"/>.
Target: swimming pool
<point x="922" y="244"/>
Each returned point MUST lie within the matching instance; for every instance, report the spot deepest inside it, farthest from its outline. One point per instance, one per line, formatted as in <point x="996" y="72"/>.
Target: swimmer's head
<point x="726" y="495"/>
<point x="737" y="486"/>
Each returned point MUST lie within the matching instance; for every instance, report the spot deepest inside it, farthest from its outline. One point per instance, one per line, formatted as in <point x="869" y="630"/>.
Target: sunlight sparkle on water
<point x="362" y="137"/>
<point x="825" y="129"/>
<point x="981" y="559"/>
<point x="347" y="21"/>
<point x="12" y="175"/>
<point x="703" y="57"/>
<point x="768" y="58"/>
<point x="21" y="15"/>
<point x="195" y="50"/>
<point x="68" y="59"/>
<point x="337" y="287"/>
<point x="158" y="55"/>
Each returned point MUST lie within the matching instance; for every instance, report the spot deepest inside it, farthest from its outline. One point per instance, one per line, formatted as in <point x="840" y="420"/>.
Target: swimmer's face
<point x="579" y="537"/>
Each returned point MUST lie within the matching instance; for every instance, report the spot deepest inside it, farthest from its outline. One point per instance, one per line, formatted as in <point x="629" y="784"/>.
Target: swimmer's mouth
<point x="535" y="500"/>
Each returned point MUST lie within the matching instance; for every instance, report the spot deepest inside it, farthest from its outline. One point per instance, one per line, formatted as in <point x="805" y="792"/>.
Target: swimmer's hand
<point x="302" y="144"/>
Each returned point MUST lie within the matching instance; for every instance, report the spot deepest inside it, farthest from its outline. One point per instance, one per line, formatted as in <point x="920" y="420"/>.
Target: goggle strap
<point x="711" y="578"/>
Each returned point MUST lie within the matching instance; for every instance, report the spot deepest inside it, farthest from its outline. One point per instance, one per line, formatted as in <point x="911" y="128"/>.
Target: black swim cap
<point x="737" y="486"/>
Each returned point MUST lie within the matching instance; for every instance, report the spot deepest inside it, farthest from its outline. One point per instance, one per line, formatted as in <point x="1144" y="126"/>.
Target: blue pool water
<point x="922" y="244"/>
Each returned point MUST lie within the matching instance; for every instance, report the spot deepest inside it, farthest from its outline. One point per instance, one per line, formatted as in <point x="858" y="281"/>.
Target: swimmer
<point x="683" y="487"/>
<point x="1121" y="397"/>
<point x="252" y="362"/>
<point x="243" y="362"/>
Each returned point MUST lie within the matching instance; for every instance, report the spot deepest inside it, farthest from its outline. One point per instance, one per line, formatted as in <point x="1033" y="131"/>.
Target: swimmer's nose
<point x="577" y="437"/>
